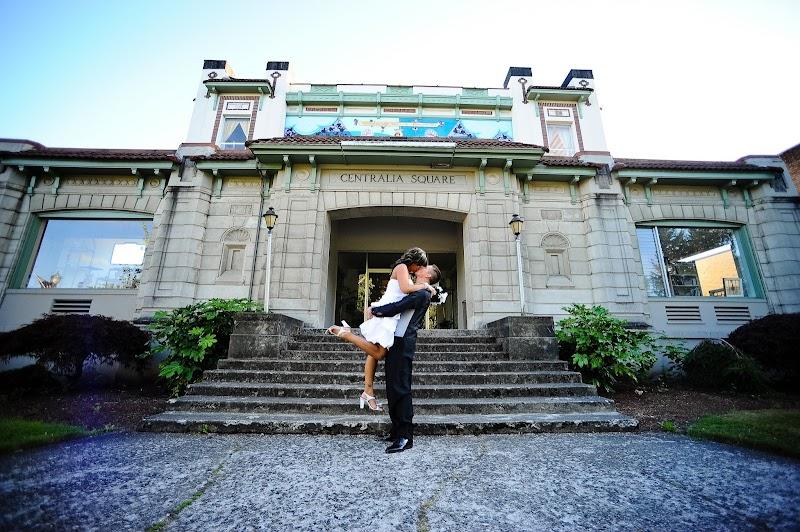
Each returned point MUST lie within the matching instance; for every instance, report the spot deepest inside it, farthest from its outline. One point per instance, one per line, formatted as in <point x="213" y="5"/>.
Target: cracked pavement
<point x="131" y="481"/>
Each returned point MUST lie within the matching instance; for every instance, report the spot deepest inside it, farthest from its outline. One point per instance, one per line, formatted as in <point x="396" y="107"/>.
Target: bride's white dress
<point x="381" y="330"/>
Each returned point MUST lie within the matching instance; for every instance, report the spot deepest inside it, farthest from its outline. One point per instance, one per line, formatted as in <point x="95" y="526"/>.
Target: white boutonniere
<point x="440" y="296"/>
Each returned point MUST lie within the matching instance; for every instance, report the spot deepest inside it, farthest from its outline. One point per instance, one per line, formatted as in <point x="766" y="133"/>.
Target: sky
<point x="708" y="80"/>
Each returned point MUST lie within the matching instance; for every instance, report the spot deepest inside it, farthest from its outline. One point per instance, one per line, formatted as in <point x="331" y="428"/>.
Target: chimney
<point x="216" y="68"/>
<point x="579" y="79"/>
<point x="277" y="65"/>
<point x="517" y="72"/>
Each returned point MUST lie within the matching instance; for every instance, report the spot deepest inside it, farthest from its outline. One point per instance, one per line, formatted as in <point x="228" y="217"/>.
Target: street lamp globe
<point x="516" y="224"/>
<point x="270" y="218"/>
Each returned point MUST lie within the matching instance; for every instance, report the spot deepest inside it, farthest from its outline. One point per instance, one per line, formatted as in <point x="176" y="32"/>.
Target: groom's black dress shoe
<point x="399" y="445"/>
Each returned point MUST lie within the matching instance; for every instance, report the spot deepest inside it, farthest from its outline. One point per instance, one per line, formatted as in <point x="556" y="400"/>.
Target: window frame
<point x="742" y="238"/>
<point x="569" y="124"/>
<point x="240" y="115"/>
<point x="34" y="234"/>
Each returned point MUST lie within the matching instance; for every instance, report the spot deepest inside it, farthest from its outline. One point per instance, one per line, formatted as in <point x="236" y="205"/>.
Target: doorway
<point x="362" y="278"/>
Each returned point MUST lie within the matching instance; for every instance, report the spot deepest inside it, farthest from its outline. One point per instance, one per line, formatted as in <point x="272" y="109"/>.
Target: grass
<point x="776" y="431"/>
<point x="21" y="433"/>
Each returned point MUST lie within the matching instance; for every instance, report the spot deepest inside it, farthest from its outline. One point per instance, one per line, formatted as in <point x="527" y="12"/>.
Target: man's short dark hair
<point x="436" y="274"/>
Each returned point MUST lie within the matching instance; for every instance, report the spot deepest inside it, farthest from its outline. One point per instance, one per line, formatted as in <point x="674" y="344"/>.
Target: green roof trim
<point x="409" y="100"/>
<point x="88" y="163"/>
<point x="558" y="95"/>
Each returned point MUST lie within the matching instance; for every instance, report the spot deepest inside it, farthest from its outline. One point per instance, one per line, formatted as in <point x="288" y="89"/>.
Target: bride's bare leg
<point x="376" y="351"/>
<point x="369" y="378"/>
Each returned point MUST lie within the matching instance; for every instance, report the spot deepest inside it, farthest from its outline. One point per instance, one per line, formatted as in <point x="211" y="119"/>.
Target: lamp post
<point x="270" y="218"/>
<point x="516" y="228"/>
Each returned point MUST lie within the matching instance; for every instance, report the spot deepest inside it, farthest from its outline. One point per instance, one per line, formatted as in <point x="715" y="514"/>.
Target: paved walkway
<point x="533" y="482"/>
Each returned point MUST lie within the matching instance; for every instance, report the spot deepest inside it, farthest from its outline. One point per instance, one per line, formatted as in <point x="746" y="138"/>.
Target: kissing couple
<point x="390" y="331"/>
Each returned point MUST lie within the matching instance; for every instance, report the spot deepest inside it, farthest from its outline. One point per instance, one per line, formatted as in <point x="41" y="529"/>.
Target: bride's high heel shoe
<point x="345" y="328"/>
<point x="365" y="400"/>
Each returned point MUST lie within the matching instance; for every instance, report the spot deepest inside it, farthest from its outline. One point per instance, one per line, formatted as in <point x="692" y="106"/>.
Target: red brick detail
<point x="576" y="121"/>
<point x="221" y="106"/>
<point x="791" y="158"/>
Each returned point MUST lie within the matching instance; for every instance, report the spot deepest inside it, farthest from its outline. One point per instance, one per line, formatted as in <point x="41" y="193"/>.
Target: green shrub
<point x="773" y="342"/>
<point x="63" y="343"/>
<point x="194" y="338"/>
<point x="717" y="366"/>
<point x="603" y="349"/>
<point x="668" y="425"/>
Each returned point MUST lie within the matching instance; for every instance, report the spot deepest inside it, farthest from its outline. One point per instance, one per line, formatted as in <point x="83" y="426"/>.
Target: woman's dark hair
<point x="413" y="256"/>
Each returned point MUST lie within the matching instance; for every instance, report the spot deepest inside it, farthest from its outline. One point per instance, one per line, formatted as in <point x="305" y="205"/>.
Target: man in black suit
<point x="398" y="361"/>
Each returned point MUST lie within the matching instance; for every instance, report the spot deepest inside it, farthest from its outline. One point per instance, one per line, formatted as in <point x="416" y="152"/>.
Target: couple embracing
<point x="390" y="331"/>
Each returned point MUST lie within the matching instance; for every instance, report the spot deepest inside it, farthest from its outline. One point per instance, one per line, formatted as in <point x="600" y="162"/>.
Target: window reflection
<point x="693" y="261"/>
<point x="91" y="254"/>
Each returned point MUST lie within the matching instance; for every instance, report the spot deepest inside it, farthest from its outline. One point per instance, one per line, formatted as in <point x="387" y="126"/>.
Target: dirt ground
<point x="110" y="409"/>
<point x="683" y="406"/>
<point x="122" y="409"/>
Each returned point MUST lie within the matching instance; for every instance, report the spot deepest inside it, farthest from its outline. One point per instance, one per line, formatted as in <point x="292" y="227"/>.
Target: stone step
<point x="272" y="423"/>
<point x="420" y="366"/>
<point x="344" y="391"/>
<point x="422" y="334"/>
<point x="454" y="339"/>
<point x="426" y="347"/>
<point x="350" y="406"/>
<point x="419" y="356"/>
<point x="430" y="378"/>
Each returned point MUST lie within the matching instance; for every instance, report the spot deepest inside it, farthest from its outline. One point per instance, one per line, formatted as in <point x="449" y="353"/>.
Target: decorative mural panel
<point x="371" y="126"/>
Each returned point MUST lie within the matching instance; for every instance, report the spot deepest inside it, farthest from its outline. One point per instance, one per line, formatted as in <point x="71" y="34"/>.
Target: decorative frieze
<point x="102" y="181"/>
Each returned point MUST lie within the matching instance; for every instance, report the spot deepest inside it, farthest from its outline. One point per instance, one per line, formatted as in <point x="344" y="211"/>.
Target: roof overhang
<point x="251" y="167"/>
<point x="410" y="100"/>
<point x="683" y="177"/>
<point x="558" y="95"/>
<point x="550" y="173"/>
<point x="87" y="166"/>
<point x="261" y="87"/>
<point x="394" y="152"/>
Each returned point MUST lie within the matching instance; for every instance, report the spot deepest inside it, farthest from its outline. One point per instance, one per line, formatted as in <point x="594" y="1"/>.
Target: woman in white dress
<point x="378" y="333"/>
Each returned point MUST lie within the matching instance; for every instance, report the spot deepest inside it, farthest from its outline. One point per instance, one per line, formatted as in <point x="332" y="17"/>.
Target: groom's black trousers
<point x="398" y="390"/>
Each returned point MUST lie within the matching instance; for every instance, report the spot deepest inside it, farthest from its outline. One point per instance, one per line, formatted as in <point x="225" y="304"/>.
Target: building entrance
<point x="362" y="278"/>
<point x="362" y="253"/>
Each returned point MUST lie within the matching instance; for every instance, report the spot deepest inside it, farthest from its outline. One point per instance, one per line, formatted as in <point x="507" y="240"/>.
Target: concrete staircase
<point x="465" y="382"/>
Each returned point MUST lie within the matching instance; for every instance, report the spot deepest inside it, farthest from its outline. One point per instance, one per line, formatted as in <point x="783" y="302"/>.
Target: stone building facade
<point x="358" y="173"/>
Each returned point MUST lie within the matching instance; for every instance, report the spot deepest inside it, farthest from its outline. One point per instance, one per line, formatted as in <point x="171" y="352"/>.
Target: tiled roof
<point x="548" y="160"/>
<point x="91" y="153"/>
<point x="236" y="80"/>
<point x="559" y="88"/>
<point x="691" y="166"/>
<point x="226" y="155"/>
<point x="460" y="142"/>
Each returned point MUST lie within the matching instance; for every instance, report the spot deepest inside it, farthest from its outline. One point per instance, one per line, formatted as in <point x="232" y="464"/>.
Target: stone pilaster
<point x="612" y="257"/>
<point x="12" y="196"/>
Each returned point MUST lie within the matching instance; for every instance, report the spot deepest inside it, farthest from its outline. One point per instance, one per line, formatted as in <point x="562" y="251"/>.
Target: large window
<point x="695" y="261"/>
<point x="560" y="139"/>
<point x="234" y="133"/>
<point x="90" y="254"/>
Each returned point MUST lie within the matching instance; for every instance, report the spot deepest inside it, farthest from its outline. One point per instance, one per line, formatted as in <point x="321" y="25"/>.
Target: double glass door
<point x="362" y="279"/>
